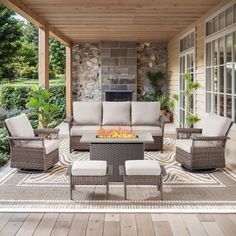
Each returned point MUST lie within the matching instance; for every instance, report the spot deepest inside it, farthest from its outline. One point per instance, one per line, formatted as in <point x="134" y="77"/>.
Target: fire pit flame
<point x="116" y="133"/>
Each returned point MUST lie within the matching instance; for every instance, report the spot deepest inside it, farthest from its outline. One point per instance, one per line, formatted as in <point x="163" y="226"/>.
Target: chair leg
<point x="161" y="188"/>
<point x="71" y="191"/>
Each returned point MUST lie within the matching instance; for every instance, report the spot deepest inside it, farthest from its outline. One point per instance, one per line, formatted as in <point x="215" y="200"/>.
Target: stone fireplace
<point x="119" y="70"/>
<point x="115" y="70"/>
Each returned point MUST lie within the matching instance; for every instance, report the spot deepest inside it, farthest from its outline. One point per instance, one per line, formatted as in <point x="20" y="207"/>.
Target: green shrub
<point x="17" y="96"/>
<point x="4" y="144"/>
<point x="3" y="158"/>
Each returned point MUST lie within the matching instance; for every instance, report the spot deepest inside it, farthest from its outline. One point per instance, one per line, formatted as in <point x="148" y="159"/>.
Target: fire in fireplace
<point x="116" y="133"/>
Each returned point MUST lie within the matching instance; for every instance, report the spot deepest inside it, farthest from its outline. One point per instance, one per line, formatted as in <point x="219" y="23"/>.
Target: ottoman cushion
<point x="142" y="167"/>
<point x="89" y="168"/>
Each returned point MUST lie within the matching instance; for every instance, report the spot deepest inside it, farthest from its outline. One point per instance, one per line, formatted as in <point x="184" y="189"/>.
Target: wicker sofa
<point x="203" y="149"/>
<point x="89" y="117"/>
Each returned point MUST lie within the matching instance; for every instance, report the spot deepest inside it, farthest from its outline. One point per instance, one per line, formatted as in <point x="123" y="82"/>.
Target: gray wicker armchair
<point x="203" y="149"/>
<point x="29" y="148"/>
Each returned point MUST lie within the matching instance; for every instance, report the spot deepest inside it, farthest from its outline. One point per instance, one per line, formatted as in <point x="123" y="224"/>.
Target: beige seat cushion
<point x="142" y="167"/>
<point x="154" y="130"/>
<point x="87" y="113"/>
<point x="82" y="130"/>
<point x="145" y="113"/>
<point x="89" y="168"/>
<point x="19" y="126"/>
<point x="116" y="113"/>
<point x="215" y="125"/>
<point x="184" y="144"/>
<point x="50" y="145"/>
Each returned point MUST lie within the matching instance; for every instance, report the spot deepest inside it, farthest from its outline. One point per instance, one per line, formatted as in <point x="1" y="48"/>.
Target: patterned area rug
<point x="183" y="191"/>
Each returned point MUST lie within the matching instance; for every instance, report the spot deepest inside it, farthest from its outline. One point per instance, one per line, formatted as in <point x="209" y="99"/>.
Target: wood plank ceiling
<point x="132" y="20"/>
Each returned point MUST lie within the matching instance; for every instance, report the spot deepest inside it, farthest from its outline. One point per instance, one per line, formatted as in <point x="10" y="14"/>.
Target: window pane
<point x="229" y="106"/>
<point x="229" y="48"/>
<point x="188" y="44"/>
<point x="229" y="16"/>
<point x="215" y="24"/>
<point x="208" y="79"/>
<point x="181" y="45"/>
<point x="222" y="20"/>
<point x="215" y="51"/>
<point x="234" y="109"/>
<point x="208" y="102"/>
<point x="215" y="79"/>
<point x="229" y="79"/>
<point x="192" y="39"/>
<point x="208" y="54"/>
<point x="181" y="83"/>
<point x="215" y="103"/>
<point x="221" y="105"/>
<point x="234" y="13"/>
<point x="221" y="78"/>
<point x="209" y="27"/>
<point x="234" y="78"/>
<point x="234" y="47"/>
<point x="221" y="51"/>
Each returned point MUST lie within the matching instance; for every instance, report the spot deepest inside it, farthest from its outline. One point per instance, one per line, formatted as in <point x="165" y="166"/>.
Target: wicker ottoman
<point x="143" y="172"/>
<point x="89" y="173"/>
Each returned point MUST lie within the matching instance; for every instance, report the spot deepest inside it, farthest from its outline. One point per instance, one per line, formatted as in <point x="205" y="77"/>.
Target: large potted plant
<point x="190" y="88"/>
<point x="40" y="104"/>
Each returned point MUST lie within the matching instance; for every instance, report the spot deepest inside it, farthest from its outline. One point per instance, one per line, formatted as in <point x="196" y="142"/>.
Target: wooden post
<point x="43" y="68"/>
<point x="68" y="81"/>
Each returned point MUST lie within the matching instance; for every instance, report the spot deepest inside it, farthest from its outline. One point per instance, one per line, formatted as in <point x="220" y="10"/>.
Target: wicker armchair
<point x="29" y="148"/>
<point x="203" y="149"/>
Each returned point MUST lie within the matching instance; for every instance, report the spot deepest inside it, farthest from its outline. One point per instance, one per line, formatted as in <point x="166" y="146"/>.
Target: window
<point x="187" y="65"/>
<point x="225" y="19"/>
<point x="221" y="64"/>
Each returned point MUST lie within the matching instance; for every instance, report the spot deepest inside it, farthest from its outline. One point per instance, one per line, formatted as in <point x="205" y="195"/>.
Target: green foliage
<point x="155" y="79"/>
<point x="192" y="119"/>
<point x="40" y="104"/>
<point x="171" y="103"/>
<point x="4" y="144"/>
<point x="3" y="158"/>
<point x="190" y="88"/>
<point x="10" y="44"/>
<point x="163" y="101"/>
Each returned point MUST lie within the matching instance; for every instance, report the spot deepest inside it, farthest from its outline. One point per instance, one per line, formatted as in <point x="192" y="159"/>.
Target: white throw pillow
<point x="87" y="113"/>
<point x="19" y="126"/>
<point x="145" y="113"/>
<point x="116" y="113"/>
<point x="215" y="125"/>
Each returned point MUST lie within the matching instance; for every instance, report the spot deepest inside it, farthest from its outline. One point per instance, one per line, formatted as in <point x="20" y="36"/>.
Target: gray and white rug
<point x="183" y="191"/>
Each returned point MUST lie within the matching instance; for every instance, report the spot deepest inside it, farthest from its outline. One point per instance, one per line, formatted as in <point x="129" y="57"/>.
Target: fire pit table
<point x="117" y="150"/>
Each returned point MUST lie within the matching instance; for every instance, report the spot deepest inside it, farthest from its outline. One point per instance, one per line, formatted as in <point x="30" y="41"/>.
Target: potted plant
<point x="40" y="105"/>
<point x="190" y="88"/>
<point x="156" y="79"/>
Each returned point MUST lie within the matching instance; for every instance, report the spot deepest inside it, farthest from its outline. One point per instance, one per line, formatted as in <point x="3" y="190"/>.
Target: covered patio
<point x="111" y="46"/>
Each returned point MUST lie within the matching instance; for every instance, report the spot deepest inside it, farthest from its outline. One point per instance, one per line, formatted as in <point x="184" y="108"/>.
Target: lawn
<point x="32" y="82"/>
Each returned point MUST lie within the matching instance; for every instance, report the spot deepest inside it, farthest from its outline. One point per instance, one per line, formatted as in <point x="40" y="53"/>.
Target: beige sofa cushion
<point x="19" y="126"/>
<point x="215" y="125"/>
<point x="116" y="113"/>
<point x="154" y="130"/>
<point x="142" y="167"/>
<point x="145" y="113"/>
<point x="82" y="130"/>
<point x="87" y="113"/>
<point x="89" y="168"/>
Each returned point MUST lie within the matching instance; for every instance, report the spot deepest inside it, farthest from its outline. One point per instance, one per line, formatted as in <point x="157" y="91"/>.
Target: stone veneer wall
<point x="115" y="65"/>
<point x="119" y="67"/>
<point x="151" y="57"/>
<point x="86" y="84"/>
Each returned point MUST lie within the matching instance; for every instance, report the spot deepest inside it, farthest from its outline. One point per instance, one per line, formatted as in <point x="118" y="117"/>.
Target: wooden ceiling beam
<point x="18" y="7"/>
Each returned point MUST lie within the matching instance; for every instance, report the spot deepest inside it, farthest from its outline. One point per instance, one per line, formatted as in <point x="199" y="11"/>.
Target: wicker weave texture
<point x="116" y="154"/>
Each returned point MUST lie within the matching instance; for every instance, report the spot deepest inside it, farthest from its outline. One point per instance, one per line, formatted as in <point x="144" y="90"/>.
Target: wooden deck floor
<point x="79" y="224"/>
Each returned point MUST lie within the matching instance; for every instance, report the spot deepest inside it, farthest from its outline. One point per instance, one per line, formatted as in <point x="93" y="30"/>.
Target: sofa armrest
<point x="162" y="123"/>
<point x="68" y="119"/>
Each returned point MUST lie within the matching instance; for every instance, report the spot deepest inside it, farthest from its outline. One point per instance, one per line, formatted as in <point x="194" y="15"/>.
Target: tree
<point x="57" y="58"/>
<point x="10" y="35"/>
